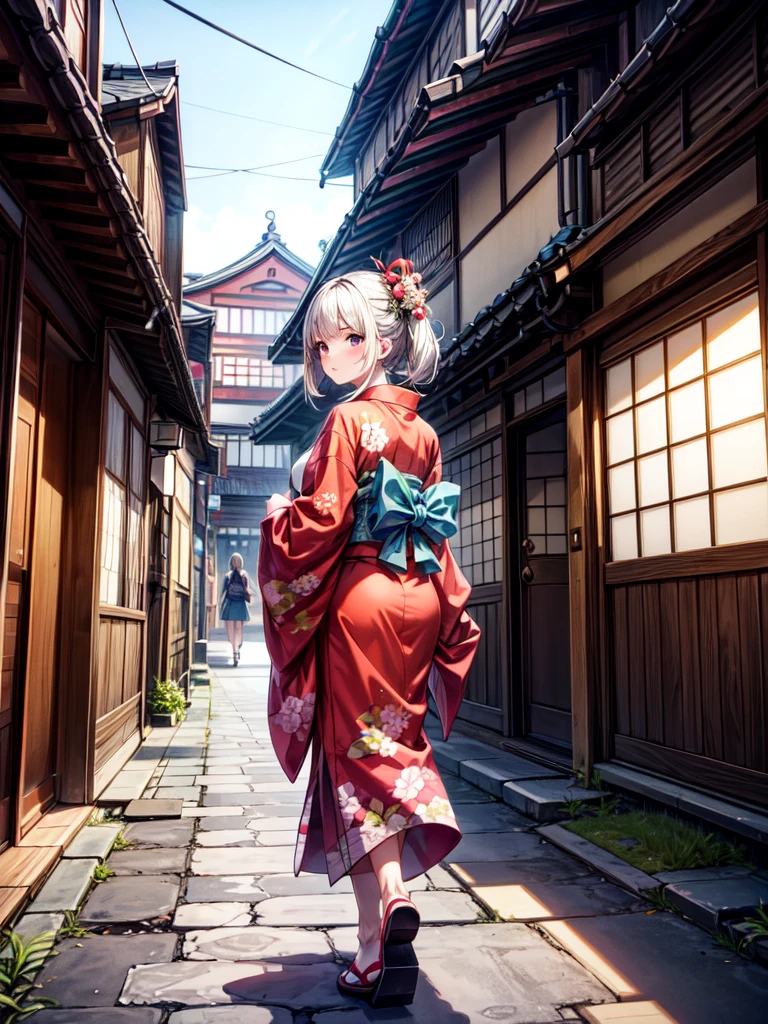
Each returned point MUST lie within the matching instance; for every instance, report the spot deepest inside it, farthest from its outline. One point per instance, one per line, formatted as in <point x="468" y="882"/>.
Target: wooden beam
<point x="741" y="121"/>
<point x="10" y="75"/>
<point x="22" y="115"/>
<point x="85" y="257"/>
<point x="103" y="281"/>
<point x="88" y="202"/>
<point x="82" y="223"/>
<point x="582" y="559"/>
<point x="66" y="173"/>
<point x="91" y="243"/>
<point x="34" y="146"/>
<point x="644" y="296"/>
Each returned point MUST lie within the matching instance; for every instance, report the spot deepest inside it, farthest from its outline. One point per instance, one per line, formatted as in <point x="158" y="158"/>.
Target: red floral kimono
<point x="355" y="643"/>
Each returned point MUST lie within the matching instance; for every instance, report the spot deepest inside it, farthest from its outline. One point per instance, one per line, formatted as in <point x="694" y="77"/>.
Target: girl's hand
<point x="277" y="501"/>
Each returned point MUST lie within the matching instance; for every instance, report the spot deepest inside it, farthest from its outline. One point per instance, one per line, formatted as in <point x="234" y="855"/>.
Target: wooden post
<point x="583" y="557"/>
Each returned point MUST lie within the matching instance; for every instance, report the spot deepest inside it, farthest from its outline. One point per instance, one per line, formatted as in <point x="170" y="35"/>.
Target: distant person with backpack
<point x="235" y="598"/>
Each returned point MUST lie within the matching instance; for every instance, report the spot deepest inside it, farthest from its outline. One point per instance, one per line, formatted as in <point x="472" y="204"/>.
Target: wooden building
<point x="253" y="300"/>
<point x="583" y="186"/>
<point x="93" y="368"/>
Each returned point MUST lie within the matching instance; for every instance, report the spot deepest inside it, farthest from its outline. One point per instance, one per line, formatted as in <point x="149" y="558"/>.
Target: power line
<point x="260" y="120"/>
<point x="253" y="46"/>
<point x="263" y="174"/>
<point x="157" y="95"/>
<point x="261" y="167"/>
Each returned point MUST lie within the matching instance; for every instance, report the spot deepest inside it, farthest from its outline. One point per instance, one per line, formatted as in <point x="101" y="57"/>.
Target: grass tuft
<point x="663" y="844"/>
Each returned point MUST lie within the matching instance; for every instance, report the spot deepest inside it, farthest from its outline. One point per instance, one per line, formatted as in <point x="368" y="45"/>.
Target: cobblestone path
<point x="204" y="922"/>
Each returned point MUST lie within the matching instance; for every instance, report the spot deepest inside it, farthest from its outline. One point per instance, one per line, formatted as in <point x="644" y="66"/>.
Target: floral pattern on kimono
<point x="335" y="626"/>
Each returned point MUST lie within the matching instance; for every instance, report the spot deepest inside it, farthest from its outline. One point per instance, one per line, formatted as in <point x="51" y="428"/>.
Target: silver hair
<point x="363" y="302"/>
<point x="236" y="557"/>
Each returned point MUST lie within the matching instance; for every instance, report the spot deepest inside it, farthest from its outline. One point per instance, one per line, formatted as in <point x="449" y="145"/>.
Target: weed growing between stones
<point x="662" y="842"/>
<point x="72" y="929"/>
<point x="19" y="963"/>
<point x="101" y="873"/>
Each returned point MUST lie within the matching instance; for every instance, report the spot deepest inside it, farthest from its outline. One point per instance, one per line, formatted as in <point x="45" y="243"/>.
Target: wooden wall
<point x="690" y="660"/>
<point x="118" y="695"/>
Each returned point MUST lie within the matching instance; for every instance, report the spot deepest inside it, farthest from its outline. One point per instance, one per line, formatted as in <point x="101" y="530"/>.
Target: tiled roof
<point x="253" y="258"/>
<point x="123" y="85"/>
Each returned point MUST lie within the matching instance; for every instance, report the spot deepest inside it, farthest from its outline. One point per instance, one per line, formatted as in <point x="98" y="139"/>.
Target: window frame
<point x="132" y="429"/>
<point x="716" y="557"/>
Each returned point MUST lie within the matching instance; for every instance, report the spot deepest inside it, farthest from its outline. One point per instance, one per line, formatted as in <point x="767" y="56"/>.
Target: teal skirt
<point x="234" y="611"/>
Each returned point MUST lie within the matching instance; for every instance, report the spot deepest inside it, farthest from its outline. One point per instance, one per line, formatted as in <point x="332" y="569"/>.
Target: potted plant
<point x="167" y="703"/>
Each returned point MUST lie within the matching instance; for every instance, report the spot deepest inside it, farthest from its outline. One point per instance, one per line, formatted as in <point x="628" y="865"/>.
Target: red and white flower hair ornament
<point x="403" y="282"/>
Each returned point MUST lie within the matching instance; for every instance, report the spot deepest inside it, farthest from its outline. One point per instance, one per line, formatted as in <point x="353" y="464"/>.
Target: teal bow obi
<point x="391" y="507"/>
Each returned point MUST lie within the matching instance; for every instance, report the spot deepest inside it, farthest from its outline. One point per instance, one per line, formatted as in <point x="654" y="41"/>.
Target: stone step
<point x="544" y="799"/>
<point x="92" y="841"/>
<point x="66" y="887"/>
<point x="711" y="901"/>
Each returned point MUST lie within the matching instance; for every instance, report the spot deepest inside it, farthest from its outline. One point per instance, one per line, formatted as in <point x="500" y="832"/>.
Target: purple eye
<point x="322" y="348"/>
<point x="354" y="339"/>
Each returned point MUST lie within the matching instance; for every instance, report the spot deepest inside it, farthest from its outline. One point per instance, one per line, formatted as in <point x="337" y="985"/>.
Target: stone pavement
<point x="204" y="922"/>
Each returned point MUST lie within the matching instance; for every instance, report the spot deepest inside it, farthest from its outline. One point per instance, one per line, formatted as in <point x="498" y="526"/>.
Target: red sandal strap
<point x="362" y="976"/>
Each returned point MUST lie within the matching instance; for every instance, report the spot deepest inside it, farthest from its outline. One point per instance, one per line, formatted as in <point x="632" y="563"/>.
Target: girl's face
<point x="342" y="356"/>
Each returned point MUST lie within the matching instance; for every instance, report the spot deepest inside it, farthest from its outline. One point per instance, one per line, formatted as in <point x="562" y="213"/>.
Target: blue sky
<point x="332" y="37"/>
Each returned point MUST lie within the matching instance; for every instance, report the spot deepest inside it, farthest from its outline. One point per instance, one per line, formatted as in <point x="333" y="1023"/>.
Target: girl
<point x="235" y="596"/>
<point x="365" y="609"/>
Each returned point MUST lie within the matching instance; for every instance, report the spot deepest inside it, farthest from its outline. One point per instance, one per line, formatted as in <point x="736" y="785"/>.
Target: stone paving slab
<point x="216" y="823"/>
<point x="168" y="781"/>
<point x="104" y="1015"/>
<point x="124" y="900"/>
<point x="195" y="983"/>
<point x="490" y="773"/>
<point x="287" y="838"/>
<point x="152" y="834"/>
<point x="543" y="799"/>
<point x="233" y="1015"/>
<point x="211" y="915"/>
<point x="66" y="887"/>
<point x="284" y="798"/>
<point x="153" y="808"/>
<point x="491" y="817"/>
<point x="204" y="812"/>
<point x="225" y="888"/>
<point x="541" y="868"/>
<point x="710" y="902"/>
<point x="92" y="841"/>
<point x="182" y="793"/>
<point x="499" y="972"/>
<point x="227" y="837"/>
<point x="234" y="861"/>
<point x="149" y="862"/>
<point x="450" y="755"/>
<point x="235" y="788"/>
<point x="91" y="971"/>
<point x="494" y="846"/>
<point x="672" y="962"/>
<point x="462" y="792"/>
<point x="30" y="926"/>
<point x="577" y="898"/>
<point x="304" y="885"/>
<point x="267" y="819"/>
<point x="309" y="911"/>
<point x="270" y="945"/>
<point x="177" y="770"/>
<point x="446" y="908"/>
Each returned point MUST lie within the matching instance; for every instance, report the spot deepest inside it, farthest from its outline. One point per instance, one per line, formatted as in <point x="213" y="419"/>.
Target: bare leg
<point x="231" y="635"/>
<point x="385" y="861"/>
<point x="368" y="897"/>
<point x="238" y="634"/>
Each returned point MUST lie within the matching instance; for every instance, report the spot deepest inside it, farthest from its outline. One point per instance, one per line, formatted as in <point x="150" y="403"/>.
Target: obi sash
<point x="391" y="507"/>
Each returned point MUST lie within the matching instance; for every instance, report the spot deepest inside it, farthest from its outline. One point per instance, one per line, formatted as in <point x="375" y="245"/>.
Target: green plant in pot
<point x="167" y="703"/>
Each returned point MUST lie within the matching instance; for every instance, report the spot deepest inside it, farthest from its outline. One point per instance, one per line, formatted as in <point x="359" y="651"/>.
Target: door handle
<point x="528" y="547"/>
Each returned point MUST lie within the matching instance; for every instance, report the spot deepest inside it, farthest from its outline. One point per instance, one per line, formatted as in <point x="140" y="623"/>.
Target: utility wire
<point x="253" y="46"/>
<point x="261" y="167"/>
<point x="157" y="95"/>
<point x="260" y="120"/>
<point x="263" y="174"/>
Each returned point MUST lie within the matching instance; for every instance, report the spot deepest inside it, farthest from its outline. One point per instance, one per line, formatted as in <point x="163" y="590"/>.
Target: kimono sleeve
<point x="299" y="564"/>
<point x="302" y="544"/>
<point x="459" y="633"/>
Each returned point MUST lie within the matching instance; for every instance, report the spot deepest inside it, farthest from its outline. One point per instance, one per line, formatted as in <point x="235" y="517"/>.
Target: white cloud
<point x="216" y="239"/>
<point x="350" y="37"/>
<point x="339" y="17"/>
<point x="314" y="45"/>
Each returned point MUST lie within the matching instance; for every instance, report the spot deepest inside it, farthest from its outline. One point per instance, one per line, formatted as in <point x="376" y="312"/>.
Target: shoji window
<point x="686" y="438"/>
<point x="122" y="533"/>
